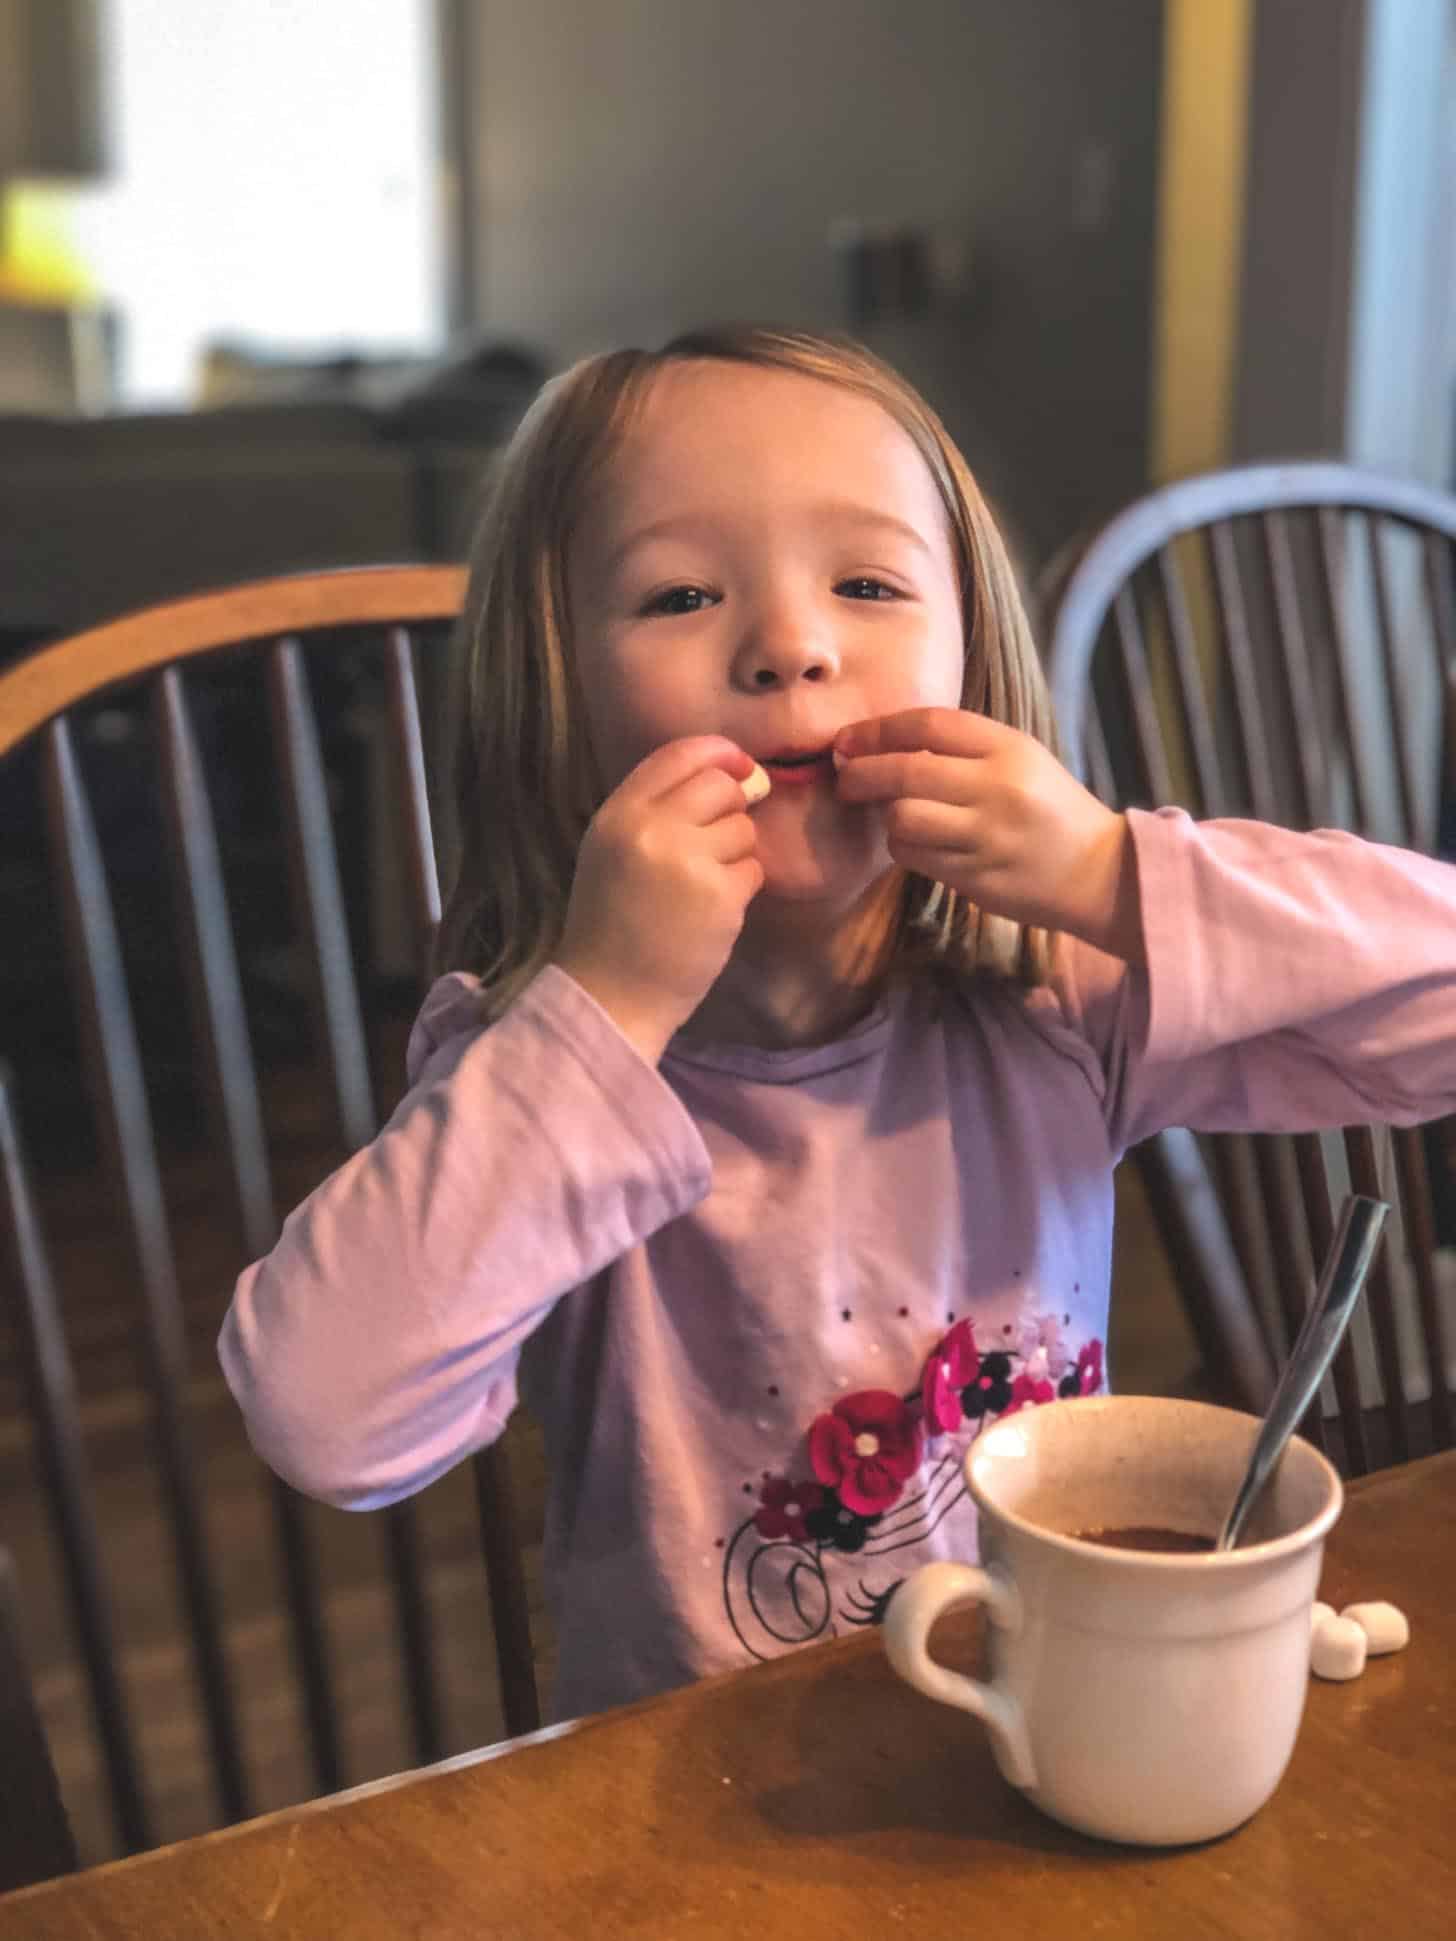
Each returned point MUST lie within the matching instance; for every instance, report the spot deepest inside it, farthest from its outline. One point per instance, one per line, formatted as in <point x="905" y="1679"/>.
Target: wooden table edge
<point x="865" y="1641"/>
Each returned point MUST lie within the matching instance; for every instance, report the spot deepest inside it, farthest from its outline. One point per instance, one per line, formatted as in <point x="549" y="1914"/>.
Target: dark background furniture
<point x="333" y="465"/>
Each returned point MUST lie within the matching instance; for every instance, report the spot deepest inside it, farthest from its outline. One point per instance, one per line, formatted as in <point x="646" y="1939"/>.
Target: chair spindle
<point x="1419" y="1220"/>
<point x="1138" y="687"/>
<point x="53" y="1405"/>
<point x="495" y="1499"/>
<point x="1301" y="694"/>
<point x="1233" y="615"/>
<point x="1416" y="828"/>
<point x="219" y="1024"/>
<point x="1191" y="687"/>
<point x="318" y="899"/>
<point x="113" y="1067"/>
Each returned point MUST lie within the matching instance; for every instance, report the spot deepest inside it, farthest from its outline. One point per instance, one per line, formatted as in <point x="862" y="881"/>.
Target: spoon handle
<point x="1362" y="1222"/>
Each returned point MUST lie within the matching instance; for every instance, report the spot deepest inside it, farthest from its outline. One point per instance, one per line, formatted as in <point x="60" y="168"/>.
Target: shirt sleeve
<point x="376" y="1345"/>
<point x="1294" y="982"/>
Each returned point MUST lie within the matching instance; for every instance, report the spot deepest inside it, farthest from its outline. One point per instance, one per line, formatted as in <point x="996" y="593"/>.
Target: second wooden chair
<point x="1280" y="642"/>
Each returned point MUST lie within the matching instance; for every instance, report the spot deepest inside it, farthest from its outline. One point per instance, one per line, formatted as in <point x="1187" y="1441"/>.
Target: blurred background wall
<point x="643" y="164"/>
<point x="1113" y="241"/>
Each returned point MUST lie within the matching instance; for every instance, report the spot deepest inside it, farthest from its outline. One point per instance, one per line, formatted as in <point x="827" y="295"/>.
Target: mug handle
<point x="927" y="1594"/>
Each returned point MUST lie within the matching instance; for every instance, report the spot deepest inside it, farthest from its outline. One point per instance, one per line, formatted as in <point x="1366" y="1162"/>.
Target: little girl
<point x="765" y="1150"/>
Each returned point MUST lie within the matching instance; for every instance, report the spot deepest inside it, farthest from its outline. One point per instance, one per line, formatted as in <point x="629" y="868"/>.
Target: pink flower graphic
<point x="866" y="1448"/>
<point x="785" y="1505"/>
<point x="1028" y="1392"/>
<point x="952" y="1365"/>
<point x="1089" y="1369"/>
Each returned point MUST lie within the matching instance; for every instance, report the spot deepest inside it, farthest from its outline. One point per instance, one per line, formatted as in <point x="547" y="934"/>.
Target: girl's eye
<point x="679" y="600"/>
<point x="864" y="586"/>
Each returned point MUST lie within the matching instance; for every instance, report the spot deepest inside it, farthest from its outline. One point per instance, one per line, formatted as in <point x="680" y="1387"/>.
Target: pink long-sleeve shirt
<point x="761" y="1301"/>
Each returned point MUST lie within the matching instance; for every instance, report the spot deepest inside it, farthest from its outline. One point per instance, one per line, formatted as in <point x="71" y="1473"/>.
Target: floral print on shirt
<point x="883" y="1475"/>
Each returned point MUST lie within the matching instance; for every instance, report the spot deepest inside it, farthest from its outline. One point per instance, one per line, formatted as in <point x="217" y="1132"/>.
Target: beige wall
<point x="1201" y="199"/>
<point x="642" y="165"/>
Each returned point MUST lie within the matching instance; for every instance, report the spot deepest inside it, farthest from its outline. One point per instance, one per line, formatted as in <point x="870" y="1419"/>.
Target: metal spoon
<point x="1362" y="1221"/>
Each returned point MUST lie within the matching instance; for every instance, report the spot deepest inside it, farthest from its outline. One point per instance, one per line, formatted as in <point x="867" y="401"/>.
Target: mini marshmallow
<point x="1337" y="1649"/>
<point x="756" y="785"/>
<point x="1317" y="1614"/>
<point x="1385" y="1626"/>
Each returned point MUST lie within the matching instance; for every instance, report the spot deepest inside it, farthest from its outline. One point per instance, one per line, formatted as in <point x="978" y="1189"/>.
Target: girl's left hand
<point x="992" y="814"/>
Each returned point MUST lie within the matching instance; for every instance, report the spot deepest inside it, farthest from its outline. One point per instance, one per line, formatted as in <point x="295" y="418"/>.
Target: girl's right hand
<point x="665" y="873"/>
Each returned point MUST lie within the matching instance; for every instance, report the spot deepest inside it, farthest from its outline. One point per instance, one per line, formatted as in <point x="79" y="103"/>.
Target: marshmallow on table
<point x="1339" y="1646"/>
<point x="756" y="785"/>
<point x="1386" y="1626"/>
<point x="1337" y="1649"/>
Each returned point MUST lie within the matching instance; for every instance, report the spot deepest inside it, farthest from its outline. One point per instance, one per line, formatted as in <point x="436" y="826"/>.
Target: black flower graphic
<point x="830" y="1523"/>
<point x="990" y="1392"/>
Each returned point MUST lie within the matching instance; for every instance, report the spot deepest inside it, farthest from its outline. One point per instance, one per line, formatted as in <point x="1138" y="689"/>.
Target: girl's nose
<point x="781" y="652"/>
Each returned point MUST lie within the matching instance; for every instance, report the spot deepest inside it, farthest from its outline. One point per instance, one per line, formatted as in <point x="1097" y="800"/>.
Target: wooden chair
<point x="270" y="645"/>
<point x="36" y="1841"/>
<point x="1280" y="641"/>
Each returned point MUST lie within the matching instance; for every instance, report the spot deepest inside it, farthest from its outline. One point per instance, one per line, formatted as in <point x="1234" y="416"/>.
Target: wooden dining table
<point x="819" y="1796"/>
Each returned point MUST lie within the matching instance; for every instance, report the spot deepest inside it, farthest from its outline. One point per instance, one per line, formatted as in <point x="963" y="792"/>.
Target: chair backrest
<point x="36" y="1841"/>
<point x="196" y="786"/>
<point x="1280" y="641"/>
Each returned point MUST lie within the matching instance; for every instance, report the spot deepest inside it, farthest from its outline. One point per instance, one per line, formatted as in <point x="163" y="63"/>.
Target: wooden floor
<point x="1151" y="1351"/>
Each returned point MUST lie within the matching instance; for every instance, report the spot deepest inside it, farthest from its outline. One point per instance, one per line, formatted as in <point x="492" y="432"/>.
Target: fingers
<point x="747" y="878"/>
<point x="940" y="865"/>
<point x="941" y="731"/>
<point x="704" y="797"/>
<point x="934" y="840"/>
<point x="897" y="777"/>
<point x="676" y="762"/>
<point x="931" y="825"/>
<point x="731" y="838"/>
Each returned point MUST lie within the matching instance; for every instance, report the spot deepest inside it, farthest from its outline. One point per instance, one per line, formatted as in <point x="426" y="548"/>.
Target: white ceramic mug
<point x="1151" y="1697"/>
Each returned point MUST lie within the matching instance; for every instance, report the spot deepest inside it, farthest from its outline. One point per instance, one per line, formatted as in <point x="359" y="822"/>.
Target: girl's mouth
<point x="799" y="769"/>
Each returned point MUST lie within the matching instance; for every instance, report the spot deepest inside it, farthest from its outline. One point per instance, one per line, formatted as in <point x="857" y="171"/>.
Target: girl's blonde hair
<point x="527" y="779"/>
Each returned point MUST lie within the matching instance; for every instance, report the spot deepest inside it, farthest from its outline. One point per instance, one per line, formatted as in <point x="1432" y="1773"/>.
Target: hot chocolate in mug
<point x="1139" y="1695"/>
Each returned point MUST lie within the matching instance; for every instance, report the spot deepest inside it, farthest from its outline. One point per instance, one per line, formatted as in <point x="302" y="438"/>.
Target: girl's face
<point x="767" y="558"/>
